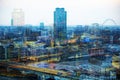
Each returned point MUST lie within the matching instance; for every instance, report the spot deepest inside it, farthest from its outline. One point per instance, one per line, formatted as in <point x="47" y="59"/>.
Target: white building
<point x="18" y="17"/>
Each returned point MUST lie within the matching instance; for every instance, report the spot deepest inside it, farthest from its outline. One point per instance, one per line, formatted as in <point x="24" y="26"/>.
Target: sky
<point x="79" y="12"/>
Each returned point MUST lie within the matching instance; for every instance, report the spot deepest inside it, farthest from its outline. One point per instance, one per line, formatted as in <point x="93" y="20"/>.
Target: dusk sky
<point x="79" y="12"/>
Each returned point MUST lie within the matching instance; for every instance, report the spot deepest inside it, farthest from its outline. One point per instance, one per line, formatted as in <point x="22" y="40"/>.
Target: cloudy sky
<point x="78" y="11"/>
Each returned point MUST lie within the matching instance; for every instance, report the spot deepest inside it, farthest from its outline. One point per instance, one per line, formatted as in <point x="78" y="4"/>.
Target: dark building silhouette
<point x="60" y="24"/>
<point x="2" y="52"/>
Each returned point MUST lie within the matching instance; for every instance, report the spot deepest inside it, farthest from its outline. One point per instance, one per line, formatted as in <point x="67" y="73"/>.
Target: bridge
<point x="38" y="71"/>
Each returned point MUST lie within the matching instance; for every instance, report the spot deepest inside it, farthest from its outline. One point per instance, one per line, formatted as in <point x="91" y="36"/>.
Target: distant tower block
<point x="11" y="22"/>
<point x="18" y="17"/>
<point x="41" y="25"/>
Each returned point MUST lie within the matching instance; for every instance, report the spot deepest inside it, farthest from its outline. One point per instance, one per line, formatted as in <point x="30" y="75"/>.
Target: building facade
<point x="60" y="24"/>
<point x="41" y="26"/>
<point x="17" y="18"/>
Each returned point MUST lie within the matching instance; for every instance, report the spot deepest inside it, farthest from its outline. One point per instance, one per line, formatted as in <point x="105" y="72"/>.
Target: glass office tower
<point x="60" y="24"/>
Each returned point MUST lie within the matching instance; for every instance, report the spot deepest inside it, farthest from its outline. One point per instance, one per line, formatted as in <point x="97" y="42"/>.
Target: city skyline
<point x="80" y="12"/>
<point x="59" y="40"/>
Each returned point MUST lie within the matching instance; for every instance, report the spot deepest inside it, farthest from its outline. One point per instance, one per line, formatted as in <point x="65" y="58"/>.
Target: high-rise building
<point x="11" y="22"/>
<point x="60" y="24"/>
<point x="2" y="52"/>
<point x="18" y="17"/>
<point x="41" y="26"/>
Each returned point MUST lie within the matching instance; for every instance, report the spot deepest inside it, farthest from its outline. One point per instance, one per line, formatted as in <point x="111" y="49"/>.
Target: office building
<point x="17" y="17"/>
<point x="41" y="26"/>
<point x="60" y="24"/>
<point x="11" y="22"/>
<point x="2" y="52"/>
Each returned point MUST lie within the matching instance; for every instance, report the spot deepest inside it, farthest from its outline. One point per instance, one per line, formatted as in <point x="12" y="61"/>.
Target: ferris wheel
<point x="109" y="20"/>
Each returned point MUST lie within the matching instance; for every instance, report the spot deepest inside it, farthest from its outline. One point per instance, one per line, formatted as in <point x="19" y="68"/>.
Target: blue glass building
<point x="41" y="26"/>
<point x="60" y="24"/>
